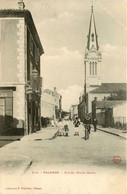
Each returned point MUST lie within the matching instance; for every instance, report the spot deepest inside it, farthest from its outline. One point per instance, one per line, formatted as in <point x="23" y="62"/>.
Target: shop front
<point x="6" y="110"/>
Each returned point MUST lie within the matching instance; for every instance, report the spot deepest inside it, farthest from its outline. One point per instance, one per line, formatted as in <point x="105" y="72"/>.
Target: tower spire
<point x="92" y="59"/>
<point x="92" y="36"/>
<point x="91" y="5"/>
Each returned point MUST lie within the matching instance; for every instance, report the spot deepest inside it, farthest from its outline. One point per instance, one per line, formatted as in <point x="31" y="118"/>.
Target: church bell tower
<point x="92" y="59"/>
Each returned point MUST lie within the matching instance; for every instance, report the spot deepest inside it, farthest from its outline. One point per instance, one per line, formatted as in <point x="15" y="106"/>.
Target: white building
<point x="112" y="113"/>
<point x="120" y="113"/>
<point x="20" y="79"/>
<point x="93" y="87"/>
<point x="51" y="104"/>
<point x="74" y="111"/>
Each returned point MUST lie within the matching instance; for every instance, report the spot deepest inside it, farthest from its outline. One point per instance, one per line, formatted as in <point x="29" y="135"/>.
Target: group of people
<point x="87" y="125"/>
<point x="63" y="126"/>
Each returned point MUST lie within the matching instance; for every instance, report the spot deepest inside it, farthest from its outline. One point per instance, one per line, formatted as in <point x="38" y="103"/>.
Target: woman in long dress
<point x="61" y="128"/>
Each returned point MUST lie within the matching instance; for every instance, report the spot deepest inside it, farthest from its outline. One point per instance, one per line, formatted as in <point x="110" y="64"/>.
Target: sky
<point x="63" y="26"/>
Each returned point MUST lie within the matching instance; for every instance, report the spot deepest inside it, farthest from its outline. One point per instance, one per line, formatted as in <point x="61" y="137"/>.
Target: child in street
<point x="61" y="128"/>
<point x="66" y="128"/>
<point x="76" y="124"/>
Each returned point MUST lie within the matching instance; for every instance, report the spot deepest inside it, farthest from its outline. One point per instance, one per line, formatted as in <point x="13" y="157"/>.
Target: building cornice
<point x="4" y="13"/>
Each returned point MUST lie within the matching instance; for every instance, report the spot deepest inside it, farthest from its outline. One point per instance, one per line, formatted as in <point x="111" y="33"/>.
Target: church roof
<point x="108" y="104"/>
<point x="110" y="88"/>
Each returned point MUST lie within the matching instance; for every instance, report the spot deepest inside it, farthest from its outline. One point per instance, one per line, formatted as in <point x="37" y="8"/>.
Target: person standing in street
<point x="87" y="125"/>
<point x="66" y="128"/>
<point x="76" y="124"/>
<point x="95" y="122"/>
<point x="61" y="127"/>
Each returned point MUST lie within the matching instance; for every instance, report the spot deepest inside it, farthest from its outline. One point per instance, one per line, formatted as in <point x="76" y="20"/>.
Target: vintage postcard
<point x="63" y="106"/>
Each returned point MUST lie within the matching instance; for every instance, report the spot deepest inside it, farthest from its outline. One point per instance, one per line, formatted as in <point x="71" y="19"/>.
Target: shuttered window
<point x="9" y="107"/>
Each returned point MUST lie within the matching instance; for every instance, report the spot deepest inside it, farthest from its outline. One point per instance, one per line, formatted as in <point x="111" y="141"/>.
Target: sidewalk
<point x="44" y="134"/>
<point x="113" y="131"/>
<point x="18" y="155"/>
<point x="10" y="138"/>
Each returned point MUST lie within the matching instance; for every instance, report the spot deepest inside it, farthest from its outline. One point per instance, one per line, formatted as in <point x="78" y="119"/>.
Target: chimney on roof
<point x="21" y="4"/>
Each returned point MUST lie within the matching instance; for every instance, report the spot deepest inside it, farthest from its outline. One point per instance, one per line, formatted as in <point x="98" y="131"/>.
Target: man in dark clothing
<point x="87" y="125"/>
<point x="95" y="124"/>
<point x="87" y="119"/>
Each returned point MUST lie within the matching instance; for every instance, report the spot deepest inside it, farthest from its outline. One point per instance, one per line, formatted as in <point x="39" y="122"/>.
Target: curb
<point x="54" y="136"/>
<point x="112" y="133"/>
<point x="10" y="139"/>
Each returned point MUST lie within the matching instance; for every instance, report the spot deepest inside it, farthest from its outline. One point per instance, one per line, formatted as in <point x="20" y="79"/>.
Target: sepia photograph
<point x="63" y="105"/>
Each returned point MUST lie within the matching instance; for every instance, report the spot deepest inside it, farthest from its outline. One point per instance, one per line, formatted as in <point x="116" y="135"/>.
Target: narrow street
<point x="32" y="164"/>
<point x="98" y="150"/>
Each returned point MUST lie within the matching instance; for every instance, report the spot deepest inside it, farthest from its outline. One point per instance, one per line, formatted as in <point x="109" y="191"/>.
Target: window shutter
<point x="9" y="107"/>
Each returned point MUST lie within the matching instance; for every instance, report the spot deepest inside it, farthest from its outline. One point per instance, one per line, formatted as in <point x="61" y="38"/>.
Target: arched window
<point x="92" y="68"/>
<point x="95" y="68"/>
<point x="92" y="35"/>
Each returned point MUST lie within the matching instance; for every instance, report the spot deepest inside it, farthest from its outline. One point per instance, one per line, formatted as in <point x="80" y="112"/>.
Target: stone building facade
<point x="74" y="111"/>
<point x="20" y="81"/>
<point x="51" y="104"/>
<point x="93" y="87"/>
<point x="110" y="113"/>
<point x="92" y="65"/>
